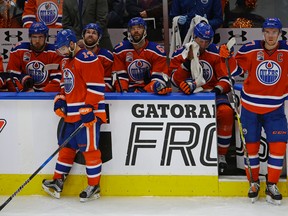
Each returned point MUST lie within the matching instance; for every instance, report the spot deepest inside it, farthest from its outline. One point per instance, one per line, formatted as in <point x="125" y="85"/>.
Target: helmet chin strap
<point x="91" y="46"/>
<point x="130" y="38"/>
<point x="72" y="51"/>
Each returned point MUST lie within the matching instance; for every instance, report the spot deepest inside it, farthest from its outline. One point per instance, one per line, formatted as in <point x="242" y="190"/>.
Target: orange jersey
<point x="49" y="12"/>
<point x="106" y="58"/>
<point x="23" y="60"/>
<point x="83" y="83"/>
<point x="213" y="71"/>
<point x="265" y="87"/>
<point x="138" y="68"/>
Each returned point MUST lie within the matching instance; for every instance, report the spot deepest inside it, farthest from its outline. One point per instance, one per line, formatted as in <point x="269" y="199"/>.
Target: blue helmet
<point x="272" y="23"/>
<point x="137" y="21"/>
<point x="64" y="37"/>
<point x="94" y="26"/>
<point x="38" y="28"/>
<point x="204" y="31"/>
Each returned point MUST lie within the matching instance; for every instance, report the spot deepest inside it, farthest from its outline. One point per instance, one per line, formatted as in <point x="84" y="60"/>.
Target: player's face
<point x="63" y="51"/>
<point x="271" y="36"/>
<point x="38" y="41"/>
<point x="137" y="32"/>
<point x="203" y="44"/>
<point x="91" y="37"/>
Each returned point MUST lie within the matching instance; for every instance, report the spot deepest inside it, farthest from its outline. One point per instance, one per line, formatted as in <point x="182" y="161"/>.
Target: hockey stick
<point x="41" y="167"/>
<point x="230" y="44"/>
<point x="115" y="77"/>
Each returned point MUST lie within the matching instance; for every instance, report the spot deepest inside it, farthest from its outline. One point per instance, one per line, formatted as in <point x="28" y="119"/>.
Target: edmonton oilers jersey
<point x="138" y="68"/>
<point x="23" y="60"/>
<point x="49" y="12"/>
<point x="265" y="87"/>
<point x="83" y="83"/>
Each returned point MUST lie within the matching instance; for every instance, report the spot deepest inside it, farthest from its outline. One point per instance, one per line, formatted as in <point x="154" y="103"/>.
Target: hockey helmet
<point x="272" y="23"/>
<point x="204" y="31"/>
<point x="38" y="28"/>
<point x="136" y="21"/>
<point x="94" y="26"/>
<point x="64" y="37"/>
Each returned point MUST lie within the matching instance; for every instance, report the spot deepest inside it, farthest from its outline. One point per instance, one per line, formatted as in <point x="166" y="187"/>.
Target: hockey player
<point x="140" y="64"/>
<point x="262" y="99"/>
<point x="49" y="12"/>
<point x="81" y="101"/>
<point x="216" y="80"/>
<point x="92" y="34"/>
<point x="32" y="58"/>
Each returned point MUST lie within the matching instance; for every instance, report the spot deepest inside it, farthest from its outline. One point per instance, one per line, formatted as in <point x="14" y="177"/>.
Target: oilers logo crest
<point x="48" y="12"/>
<point x="207" y="70"/>
<point x="36" y="70"/>
<point x="68" y="80"/>
<point x="268" y="72"/>
<point x="139" y="69"/>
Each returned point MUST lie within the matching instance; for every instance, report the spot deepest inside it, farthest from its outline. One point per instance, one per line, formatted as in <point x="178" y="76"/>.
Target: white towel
<point x="190" y="34"/>
<point x="175" y="37"/>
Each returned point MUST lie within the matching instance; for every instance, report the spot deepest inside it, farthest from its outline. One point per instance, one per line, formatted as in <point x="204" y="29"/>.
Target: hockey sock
<point x="93" y="166"/>
<point x="64" y="162"/>
<point x="225" y="121"/>
<point x="252" y="149"/>
<point x="275" y="160"/>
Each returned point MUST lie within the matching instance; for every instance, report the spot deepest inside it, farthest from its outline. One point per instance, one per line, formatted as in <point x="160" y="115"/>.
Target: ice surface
<point x="120" y="206"/>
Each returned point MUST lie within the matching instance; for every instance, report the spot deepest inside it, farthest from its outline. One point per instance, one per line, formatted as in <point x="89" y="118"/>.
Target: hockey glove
<point x="218" y="90"/>
<point x="188" y="86"/>
<point x="14" y="85"/>
<point x="224" y="52"/>
<point x="182" y="20"/>
<point x="27" y="82"/>
<point x="161" y="89"/>
<point x="87" y="115"/>
<point x="60" y="105"/>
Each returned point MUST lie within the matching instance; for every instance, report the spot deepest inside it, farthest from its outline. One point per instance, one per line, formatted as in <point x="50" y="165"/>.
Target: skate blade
<point x="272" y="201"/>
<point x="94" y="197"/>
<point x="254" y="199"/>
<point x="51" y="192"/>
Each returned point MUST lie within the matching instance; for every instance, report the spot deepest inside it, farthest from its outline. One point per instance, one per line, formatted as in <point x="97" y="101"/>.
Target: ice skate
<point x="273" y="195"/>
<point x="91" y="192"/>
<point x="253" y="192"/>
<point x="222" y="164"/>
<point x="53" y="187"/>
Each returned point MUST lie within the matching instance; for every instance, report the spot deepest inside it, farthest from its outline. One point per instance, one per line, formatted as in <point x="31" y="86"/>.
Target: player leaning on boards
<point x="140" y="64"/>
<point x="206" y="75"/>
<point x="262" y="99"/>
<point x="81" y="101"/>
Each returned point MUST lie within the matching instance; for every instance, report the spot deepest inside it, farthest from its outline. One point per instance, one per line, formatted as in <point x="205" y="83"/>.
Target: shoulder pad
<point x="213" y="48"/>
<point x="19" y="45"/>
<point x="156" y="48"/>
<point x="85" y="55"/>
<point x="256" y="44"/>
<point x="178" y="51"/>
<point x="107" y="53"/>
<point x="125" y="44"/>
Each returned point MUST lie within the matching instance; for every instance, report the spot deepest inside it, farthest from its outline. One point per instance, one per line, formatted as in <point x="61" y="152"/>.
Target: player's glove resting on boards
<point x="87" y="115"/>
<point x="188" y="86"/>
<point x="60" y="105"/>
<point x="157" y="88"/>
<point x="14" y="85"/>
